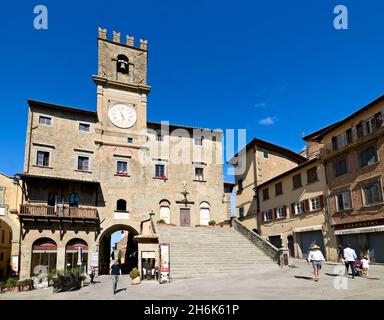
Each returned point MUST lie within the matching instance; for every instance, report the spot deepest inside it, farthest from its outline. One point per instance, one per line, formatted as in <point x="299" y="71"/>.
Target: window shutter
<point x="285" y="210"/>
<point x="274" y="213"/>
<point x="334" y="143"/>
<point x="349" y="136"/>
<point x="292" y="209"/>
<point x="306" y="205"/>
<point x="359" y="129"/>
<point x="321" y="200"/>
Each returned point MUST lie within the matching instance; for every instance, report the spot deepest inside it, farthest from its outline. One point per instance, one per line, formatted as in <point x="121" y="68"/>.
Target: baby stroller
<point x="358" y="267"/>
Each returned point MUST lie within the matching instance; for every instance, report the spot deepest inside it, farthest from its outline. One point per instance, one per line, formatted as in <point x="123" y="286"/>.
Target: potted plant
<point x="212" y="223"/>
<point x="135" y="276"/>
<point x="12" y="285"/>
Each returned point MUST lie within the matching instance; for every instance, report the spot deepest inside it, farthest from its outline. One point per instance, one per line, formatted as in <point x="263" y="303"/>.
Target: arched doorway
<point x="117" y="243"/>
<point x="76" y="255"/>
<point x="204" y="213"/>
<point x="5" y="250"/>
<point x="44" y="255"/>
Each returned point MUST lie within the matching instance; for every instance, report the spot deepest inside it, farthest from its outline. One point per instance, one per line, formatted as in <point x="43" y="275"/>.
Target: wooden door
<point x="185" y="217"/>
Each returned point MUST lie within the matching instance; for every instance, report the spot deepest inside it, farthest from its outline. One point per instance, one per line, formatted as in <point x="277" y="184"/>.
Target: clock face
<point x="122" y="116"/>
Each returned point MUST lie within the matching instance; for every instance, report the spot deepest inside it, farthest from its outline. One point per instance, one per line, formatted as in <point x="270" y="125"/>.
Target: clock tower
<point x="121" y="87"/>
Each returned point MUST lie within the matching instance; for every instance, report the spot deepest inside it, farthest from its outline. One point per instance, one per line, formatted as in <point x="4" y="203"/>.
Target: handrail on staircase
<point x="268" y="248"/>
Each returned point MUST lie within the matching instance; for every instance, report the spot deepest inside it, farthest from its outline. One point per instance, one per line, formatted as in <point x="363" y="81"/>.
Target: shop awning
<point x="306" y="229"/>
<point x="360" y="230"/>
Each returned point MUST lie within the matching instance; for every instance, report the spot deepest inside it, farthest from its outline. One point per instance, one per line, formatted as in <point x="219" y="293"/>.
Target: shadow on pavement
<point x="123" y="289"/>
<point x="303" y="277"/>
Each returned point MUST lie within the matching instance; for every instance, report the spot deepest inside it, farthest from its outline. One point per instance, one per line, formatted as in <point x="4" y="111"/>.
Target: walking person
<point x="316" y="257"/>
<point x="350" y="259"/>
<point x="92" y="274"/>
<point x="115" y="272"/>
<point x="365" y="265"/>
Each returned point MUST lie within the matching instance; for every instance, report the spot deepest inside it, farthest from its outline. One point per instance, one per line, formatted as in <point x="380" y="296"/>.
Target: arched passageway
<point x="5" y="250"/>
<point x="124" y="250"/>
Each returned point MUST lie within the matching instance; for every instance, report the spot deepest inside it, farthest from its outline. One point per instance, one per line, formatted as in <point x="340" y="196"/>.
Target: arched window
<point x="74" y="199"/>
<point x="204" y="213"/>
<point x="165" y="211"/>
<point x="44" y="256"/>
<point x="121" y="205"/>
<point x="122" y="64"/>
<point x="76" y="255"/>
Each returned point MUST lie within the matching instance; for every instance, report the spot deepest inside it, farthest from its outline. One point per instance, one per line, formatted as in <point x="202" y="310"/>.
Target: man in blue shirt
<point x="115" y="272"/>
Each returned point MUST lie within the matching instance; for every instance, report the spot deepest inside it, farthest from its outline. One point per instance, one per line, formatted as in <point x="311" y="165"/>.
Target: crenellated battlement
<point x="129" y="40"/>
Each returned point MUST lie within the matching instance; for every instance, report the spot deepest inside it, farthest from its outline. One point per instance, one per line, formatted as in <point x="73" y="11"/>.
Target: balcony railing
<point x="343" y="143"/>
<point x="31" y="210"/>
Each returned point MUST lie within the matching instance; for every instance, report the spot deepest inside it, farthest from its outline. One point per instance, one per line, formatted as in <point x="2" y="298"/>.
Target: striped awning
<point x="311" y="228"/>
<point x="360" y="230"/>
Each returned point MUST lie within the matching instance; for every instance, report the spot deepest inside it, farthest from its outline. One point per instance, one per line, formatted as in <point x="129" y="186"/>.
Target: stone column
<point x="60" y="259"/>
<point x="283" y="256"/>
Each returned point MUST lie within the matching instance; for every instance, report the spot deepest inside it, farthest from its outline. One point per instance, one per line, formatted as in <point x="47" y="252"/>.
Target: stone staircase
<point x="203" y="252"/>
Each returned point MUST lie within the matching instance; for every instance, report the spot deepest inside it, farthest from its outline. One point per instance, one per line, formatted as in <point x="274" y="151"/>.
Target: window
<point x="368" y="156"/>
<point x="240" y="183"/>
<point x="121" y="205"/>
<point x="312" y="175"/>
<point x="315" y="204"/>
<point x="268" y="215"/>
<point x="299" y="207"/>
<point x="198" y="141"/>
<point x="265" y="154"/>
<point x="84" y="127"/>
<point x="159" y="170"/>
<point x="52" y="199"/>
<point x="83" y="163"/>
<point x="278" y="189"/>
<point x="241" y="212"/>
<point x="42" y="158"/>
<point x="378" y="120"/>
<point x="159" y="137"/>
<point x="46" y="121"/>
<point x="372" y="193"/>
<point x="280" y="213"/>
<point x="130" y="140"/>
<point x="344" y="200"/>
<point x="296" y="181"/>
<point x="74" y="199"/>
<point x="340" y="167"/>
<point x="265" y="194"/>
<point x="122" y="167"/>
<point x="199" y="174"/>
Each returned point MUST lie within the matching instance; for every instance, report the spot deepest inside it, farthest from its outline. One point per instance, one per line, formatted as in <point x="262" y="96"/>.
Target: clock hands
<point x="122" y="115"/>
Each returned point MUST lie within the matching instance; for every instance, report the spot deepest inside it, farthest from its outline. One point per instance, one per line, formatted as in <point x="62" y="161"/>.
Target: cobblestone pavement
<point x="289" y="283"/>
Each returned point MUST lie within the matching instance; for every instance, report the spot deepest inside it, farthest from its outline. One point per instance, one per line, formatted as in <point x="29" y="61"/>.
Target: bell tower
<point x="121" y="86"/>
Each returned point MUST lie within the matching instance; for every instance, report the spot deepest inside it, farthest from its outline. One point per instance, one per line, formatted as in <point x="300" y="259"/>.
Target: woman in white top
<point x="316" y="257"/>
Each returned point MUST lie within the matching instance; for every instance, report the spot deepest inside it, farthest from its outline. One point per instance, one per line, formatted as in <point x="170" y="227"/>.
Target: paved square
<point x="282" y="284"/>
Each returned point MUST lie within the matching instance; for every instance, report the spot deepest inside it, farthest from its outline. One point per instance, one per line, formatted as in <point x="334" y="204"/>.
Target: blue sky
<point x="276" y="68"/>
